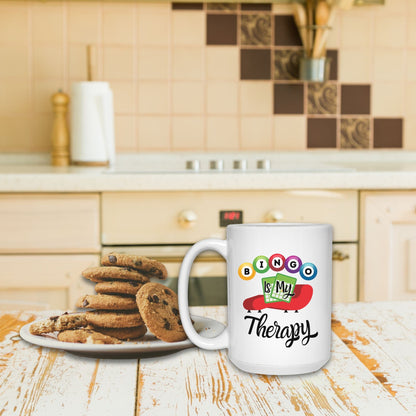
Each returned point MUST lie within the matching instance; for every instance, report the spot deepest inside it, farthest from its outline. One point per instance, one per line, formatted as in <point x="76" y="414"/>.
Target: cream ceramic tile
<point x="153" y="63"/>
<point x="14" y="97"/>
<point x="77" y="62"/>
<point x="390" y="31"/>
<point x="187" y="97"/>
<point x="256" y="133"/>
<point x="222" y="63"/>
<point x="48" y="62"/>
<point x="389" y="64"/>
<point x="17" y="58"/>
<point x="411" y="99"/>
<point x="118" y="63"/>
<point x="153" y="97"/>
<point x="48" y="23"/>
<point x="282" y="8"/>
<point x="14" y="24"/>
<point x="387" y="99"/>
<point x="153" y="29"/>
<point x="16" y="134"/>
<point x="187" y="133"/>
<point x="187" y="63"/>
<point x="222" y="133"/>
<point x="334" y="37"/>
<point x="153" y="133"/>
<point x="84" y="22"/>
<point x="411" y="33"/>
<point x="390" y="7"/>
<point x="350" y="36"/>
<point x="222" y="97"/>
<point x="411" y="65"/>
<point x="42" y="93"/>
<point x="412" y="8"/>
<point x="188" y="28"/>
<point x="154" y="7"/>
<point x="125" y="133"/>
<point x="124" y="97"/>
<point x="118" y="23"/>
<point x="42" y="130"/>
<point x="290" y="132"/>
<point x="409" y="133"/>
<point x="256" y="97"/>
<point x="355" y="65"/>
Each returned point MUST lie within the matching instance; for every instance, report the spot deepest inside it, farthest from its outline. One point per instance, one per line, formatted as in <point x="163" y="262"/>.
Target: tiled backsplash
<point x="194" y="76"/>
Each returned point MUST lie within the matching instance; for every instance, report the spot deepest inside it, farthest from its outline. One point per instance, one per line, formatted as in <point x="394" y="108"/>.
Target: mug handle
<point x="221" y="341"/>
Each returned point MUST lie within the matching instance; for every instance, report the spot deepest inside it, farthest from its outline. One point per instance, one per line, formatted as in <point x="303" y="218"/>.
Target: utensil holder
<point x="314" y="69"/>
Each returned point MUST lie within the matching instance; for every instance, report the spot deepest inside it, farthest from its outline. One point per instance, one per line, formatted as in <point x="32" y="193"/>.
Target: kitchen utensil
<point x="320" y="47"/>
<point x="300" y="19"/>
<point x="322" y="13"/>
<point x="148" y="344"/>
<point x="92" y="124"/>
<point x="60" y="135"/>
<point x="310" y="18"/>
<point x="279" y="279"/>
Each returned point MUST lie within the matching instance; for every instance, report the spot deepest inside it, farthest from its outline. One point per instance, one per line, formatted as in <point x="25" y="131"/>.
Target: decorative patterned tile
<point x="322" y="133"/>
<point x="285" y="31"/>
<point x="255" y="64"/>
<point x="288" y="98"/>
<point x="355" y="133"/>
<point x="322" y="98"/>
<point x="388" y="132"/>
<point x="355" y="99"/>
<point x="187" y="6"/>
<point x="286" y="64"/>
<point x="256" y="6"/>
<point x="256" y="29"/>
<point x="222" y="6"/>
<point x="221" y="29"/>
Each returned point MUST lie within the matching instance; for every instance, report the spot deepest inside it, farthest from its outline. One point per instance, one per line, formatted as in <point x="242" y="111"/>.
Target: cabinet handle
<point x="187" y="219"/>
<point x="339" y="256"/>
<point x="274" y="216"/>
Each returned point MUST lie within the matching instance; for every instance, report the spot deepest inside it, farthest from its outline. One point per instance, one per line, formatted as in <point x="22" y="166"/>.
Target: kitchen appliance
<point x="92" y="124"/>
<point x="279" y="296"/>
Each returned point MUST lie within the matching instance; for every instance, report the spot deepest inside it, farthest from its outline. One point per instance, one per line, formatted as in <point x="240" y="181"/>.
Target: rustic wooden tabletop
<point x="372" y="372"/>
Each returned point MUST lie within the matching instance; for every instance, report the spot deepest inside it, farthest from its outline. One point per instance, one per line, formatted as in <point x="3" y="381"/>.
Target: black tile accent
<point x="256" y="29"/>
<point x="256" y="6"/>
<point x="224" y="7"/>
<point x="285" y="31"/>
<point x="288" y="99"/>
<point x="355" y="133"/>
<point x="322" y="98"/>
<point x="333" y="71"/>
<point x="355" y="99"/>
<point x="286" y="64"/>
<point x="221" y="29"/>
<point x="322" y="133"/>
<point x="388" y="133"/>
<point x="255" y="64"/>
<point x="187" y="6"/>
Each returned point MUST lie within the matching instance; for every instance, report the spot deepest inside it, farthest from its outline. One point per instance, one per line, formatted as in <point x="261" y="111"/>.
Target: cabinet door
<point x="53" y="281"/>
<point x="388" y="246"/>
<point x="344" y="276"/>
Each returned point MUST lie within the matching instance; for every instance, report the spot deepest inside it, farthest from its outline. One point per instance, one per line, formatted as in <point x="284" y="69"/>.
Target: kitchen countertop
<point x="371" y="372"/>
<point x="148" y="172"/>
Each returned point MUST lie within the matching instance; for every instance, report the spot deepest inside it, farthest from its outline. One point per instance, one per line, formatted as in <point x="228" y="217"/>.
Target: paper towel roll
<point x="92" y="123"/>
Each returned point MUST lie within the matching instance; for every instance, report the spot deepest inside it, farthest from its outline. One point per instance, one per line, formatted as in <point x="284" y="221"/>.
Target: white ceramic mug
<point x="279" y="279"/>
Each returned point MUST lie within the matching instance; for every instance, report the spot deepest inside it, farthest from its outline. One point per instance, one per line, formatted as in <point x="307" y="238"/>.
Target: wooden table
<point x="372" y="372"/>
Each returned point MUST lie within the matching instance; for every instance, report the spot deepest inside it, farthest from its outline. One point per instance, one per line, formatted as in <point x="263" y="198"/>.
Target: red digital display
<point x="230" y="217"/>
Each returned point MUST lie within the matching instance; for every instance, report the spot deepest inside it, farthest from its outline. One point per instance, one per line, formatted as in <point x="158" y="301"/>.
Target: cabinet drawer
<point x="49" y="223"/>
<point x="154" y="217"/>
<point x="54" y="280"/>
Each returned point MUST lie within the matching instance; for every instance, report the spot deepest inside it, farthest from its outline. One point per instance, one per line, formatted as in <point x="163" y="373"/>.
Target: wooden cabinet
<point x="388" y="246"/>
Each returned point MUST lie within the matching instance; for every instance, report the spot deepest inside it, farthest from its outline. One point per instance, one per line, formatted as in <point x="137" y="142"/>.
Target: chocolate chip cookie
<point x="103" y="274"/>
<point x="122" y="333"/>
<point x="149" y="267"/>
<point x="59" y="323"/>
<point x="158" y="306"/>
<point x="86" y="336"/>
<point x="126" y="319"/>
<point x="107" y="302"/>
<point x="118" y="288"/>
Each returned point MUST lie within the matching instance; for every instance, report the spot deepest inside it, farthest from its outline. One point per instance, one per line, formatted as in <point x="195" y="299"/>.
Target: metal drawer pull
<point x="339" y="256"/>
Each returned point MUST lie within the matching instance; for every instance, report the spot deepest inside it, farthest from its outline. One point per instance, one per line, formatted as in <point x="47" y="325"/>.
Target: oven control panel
<point x="230" y="217"/>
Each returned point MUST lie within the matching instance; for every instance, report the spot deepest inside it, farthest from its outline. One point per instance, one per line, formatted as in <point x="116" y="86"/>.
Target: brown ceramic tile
<point x="286" y="64"/>
<point x="222" y="6"/>
<point x="355" y="133"/>
<point x="187" y="6"/>
<point x="333" y="72"/>
<point x="322" y="98"/>
<point x="256" y="29"/>
<point x="355" y="99"/>
<point x="388" y="132"/>
<point x="221" y="29"/>
<point x="255" y="64"/>
<point x="256" y="6"/>
<point x="285" y="31"/>
<point x="322" y="132"/>
<point x="288" y="98"/>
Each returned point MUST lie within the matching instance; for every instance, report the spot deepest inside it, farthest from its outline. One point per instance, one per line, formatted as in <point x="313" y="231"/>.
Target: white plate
<point x="149" y="344"/>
